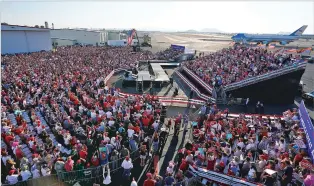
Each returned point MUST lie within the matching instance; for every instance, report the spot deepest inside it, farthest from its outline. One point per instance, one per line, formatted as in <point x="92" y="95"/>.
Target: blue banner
<point x="307" y="125"/>
<point x="177" y="47"/>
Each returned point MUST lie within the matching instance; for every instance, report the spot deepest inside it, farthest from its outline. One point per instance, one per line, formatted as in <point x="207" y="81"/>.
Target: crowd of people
<point x="58" y="115"/>
<point x="168" y="54"/>
<point x="258" y="149"/>
<point x="236" y="63"/>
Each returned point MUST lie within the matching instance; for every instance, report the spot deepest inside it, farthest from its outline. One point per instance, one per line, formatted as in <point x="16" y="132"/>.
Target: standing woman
<point x="155" y="142"/>
<point x="143" y="153"/>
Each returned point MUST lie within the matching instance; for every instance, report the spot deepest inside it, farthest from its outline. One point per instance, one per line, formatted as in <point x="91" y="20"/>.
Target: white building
<point x="23" y="39"/>
<point x="77" y="36"/>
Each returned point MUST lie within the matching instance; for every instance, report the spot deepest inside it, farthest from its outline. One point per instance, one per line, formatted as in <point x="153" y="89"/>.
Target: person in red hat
<point x="12" y="177"/>
<point x="127" y="165"/>
<point x="211" y="160"/>
<point x="149" y="181"/>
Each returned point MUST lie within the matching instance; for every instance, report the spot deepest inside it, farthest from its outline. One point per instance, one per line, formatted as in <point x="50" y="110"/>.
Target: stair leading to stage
<point x="278" y="86"/>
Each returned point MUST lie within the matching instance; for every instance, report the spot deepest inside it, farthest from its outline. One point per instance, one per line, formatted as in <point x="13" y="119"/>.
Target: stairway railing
<point x="266" y="76"/>
<point x="193" y="87"/>
<point x="194" y="76"/>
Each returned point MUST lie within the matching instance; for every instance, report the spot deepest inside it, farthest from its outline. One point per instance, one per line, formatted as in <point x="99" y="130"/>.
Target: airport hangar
<point x="67" y="37"/>
<point x="24" y="39"/>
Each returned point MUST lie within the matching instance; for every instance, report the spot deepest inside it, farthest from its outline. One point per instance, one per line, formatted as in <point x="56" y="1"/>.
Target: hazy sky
<point x="250" y="17"/>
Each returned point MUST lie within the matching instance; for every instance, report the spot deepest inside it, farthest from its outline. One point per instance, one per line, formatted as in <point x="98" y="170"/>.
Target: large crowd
<point x="168" y="54"/>
<point x="58" y="115"/>
<point x="237" y="63"/>
<point x="267" y="150"/>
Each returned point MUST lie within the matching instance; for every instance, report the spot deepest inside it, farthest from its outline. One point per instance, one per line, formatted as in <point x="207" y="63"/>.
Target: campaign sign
<point x="177" y="47"/>
<point x="307" y="126"/>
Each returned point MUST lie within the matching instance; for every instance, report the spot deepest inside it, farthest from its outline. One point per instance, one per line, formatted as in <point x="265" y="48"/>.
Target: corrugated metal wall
<point x="82" y="36"/>
<point x="19" y="41"/>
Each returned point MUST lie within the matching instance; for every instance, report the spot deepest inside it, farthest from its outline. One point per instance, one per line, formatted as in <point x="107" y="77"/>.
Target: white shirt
<point x="111" y="122"/>
<point x="12" y="179"/>
<point x="35" y="173"/>
<point x="241" y="144"/>
<point x="93" y="115"/>
<point x="5" y="158"/>
<point x="101" y="112"/>
<point x="250" y="146"/>
<point x="26" y="174"/>
<point x="251" y="173"/>
<point x="45" y="172"/>
<point x="81" y="109"/>
<point x="130" y="133"/>
<point x="127" y="164"/>
<point x="106" y="139"/>
<point x="67" y="139"/>
<point x="108" y="114"/>
<point x="155" y="125"/>
<point x="39" y="129"/>
<point x="6" y="128"/>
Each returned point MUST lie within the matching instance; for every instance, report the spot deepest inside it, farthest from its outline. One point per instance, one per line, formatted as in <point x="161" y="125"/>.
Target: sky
<point x="226" y="16"/>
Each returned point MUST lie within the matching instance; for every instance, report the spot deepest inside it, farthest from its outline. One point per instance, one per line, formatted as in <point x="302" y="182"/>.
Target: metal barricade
<point x="51" y="180"/>
<point x="94" y="174"/>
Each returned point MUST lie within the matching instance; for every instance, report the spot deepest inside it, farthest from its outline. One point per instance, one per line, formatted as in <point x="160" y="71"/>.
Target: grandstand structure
<point x="276" y="87"/>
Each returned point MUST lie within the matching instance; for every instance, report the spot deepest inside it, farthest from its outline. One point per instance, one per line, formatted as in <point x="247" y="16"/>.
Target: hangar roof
<point x="24" y="28"/>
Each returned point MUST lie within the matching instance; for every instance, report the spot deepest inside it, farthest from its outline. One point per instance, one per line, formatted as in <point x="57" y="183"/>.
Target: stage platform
<point x="160" y="74"/>
<point x="143" y="76"/>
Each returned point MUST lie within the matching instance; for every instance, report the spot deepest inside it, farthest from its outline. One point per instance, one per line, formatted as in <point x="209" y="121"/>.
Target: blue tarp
<point x="177" y="47"/>
<point x="307" y="125"/>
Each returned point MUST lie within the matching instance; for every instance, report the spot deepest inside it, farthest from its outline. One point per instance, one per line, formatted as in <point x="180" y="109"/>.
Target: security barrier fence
<point x="51" y="180"/>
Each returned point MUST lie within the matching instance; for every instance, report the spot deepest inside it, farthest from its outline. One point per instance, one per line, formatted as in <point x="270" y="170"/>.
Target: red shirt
<point x="149" y="182"/>
<point x="298" y="158"/>
<point x="95" y="161"/>
<point x="83" y="154"/>
<point x="137" y="129"/>
<point x="19" y="153"/>
<point x="68" y="166"/>
<point x="145" y="121"/>
<point x="8" y="139"/>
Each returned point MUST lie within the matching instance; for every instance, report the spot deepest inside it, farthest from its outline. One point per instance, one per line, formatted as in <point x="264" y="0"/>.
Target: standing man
<point x="149" y="181"/>
<point x="127" y="165"/>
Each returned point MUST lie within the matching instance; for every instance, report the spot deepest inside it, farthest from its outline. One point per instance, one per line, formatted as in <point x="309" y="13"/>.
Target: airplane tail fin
<point x="299" y="31"/>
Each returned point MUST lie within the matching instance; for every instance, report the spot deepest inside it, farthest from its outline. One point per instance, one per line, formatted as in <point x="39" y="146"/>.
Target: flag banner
<point x="304" y="49"/>
<point x="307" y="126"/>
<point x="292" y="50"/>
<point x="271" y="46"/>
<point x="130" y="36"/>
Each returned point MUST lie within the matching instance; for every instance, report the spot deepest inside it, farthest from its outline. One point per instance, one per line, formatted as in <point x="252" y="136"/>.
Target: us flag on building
<point x="130" y="36"/>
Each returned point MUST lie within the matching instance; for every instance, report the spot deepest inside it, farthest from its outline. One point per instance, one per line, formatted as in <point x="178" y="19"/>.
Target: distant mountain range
<point x="208" y="30"/>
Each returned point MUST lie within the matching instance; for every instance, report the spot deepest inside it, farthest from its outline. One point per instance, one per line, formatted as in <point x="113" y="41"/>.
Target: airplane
<point x="266" y="39"/>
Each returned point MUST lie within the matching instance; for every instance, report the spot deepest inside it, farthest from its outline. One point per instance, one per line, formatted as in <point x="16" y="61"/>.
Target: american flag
<point x="130" y="36"/>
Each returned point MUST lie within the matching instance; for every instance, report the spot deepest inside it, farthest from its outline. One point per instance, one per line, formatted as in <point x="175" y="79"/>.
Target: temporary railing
<point x="198" y="79"/>
<point x="220" y="178"/>
<point x="94" y="173"/>
<point x="193" y="87"/>
<point x="266" y="76"/>
<point x="51" y="180"/>
<point x="165" y="98"/>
